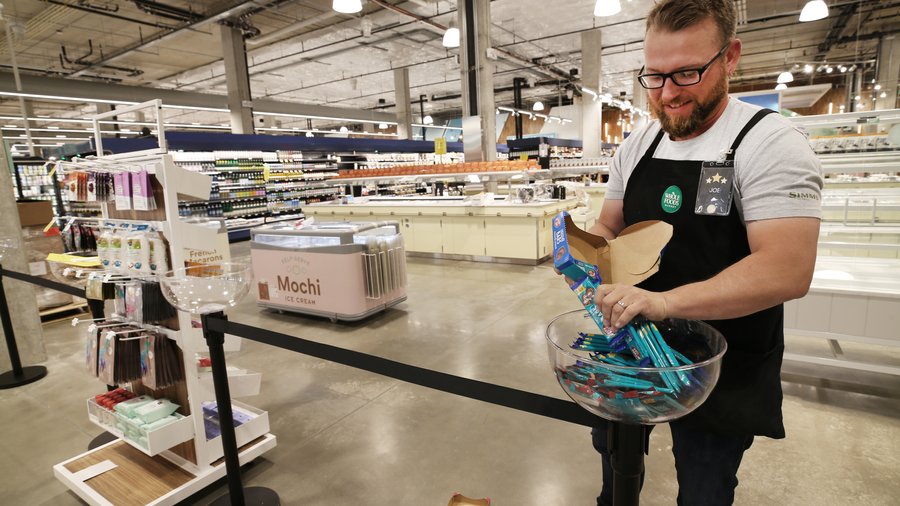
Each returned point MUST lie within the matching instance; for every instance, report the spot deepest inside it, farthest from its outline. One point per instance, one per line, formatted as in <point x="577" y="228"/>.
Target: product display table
<point x="850" y="299"/>
<point x="452" y="227"/>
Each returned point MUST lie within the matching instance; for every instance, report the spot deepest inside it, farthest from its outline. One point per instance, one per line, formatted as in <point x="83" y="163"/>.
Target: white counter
<point x="449" y="227"/>
<point x="850" y="299"/>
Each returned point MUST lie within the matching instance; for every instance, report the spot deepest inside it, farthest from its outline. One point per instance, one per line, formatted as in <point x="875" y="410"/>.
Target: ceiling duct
<point x="167" y="11"/>
<point x="64" y="58"/>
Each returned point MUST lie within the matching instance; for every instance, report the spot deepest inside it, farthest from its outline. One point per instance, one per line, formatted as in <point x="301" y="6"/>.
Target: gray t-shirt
<point x="777" y="174"/>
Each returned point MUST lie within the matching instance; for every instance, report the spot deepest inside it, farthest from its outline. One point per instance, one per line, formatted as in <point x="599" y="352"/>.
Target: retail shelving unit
<point x="178" y="460"/>
<point x="32" y="179"/>
<point x="35" y="179"/>
<point x="297" y="180"/>
<point x="854" y="296"/>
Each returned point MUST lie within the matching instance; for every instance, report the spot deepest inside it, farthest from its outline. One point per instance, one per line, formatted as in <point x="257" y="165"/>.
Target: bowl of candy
<point x="648" y="373"/>
<point x="207" y="288"/>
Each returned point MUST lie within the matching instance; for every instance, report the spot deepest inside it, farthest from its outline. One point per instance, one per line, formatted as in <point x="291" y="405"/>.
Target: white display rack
<point x="878" y="161"/>
<point x="850" y="299"/>
<point x="867" y="206"/>
<point x="191" y="464"/>
<point x="855" y="291"/>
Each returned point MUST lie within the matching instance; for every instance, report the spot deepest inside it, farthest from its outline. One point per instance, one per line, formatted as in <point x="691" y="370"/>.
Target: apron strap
<point x="652" y="149"/>
<point x="750" y="124"/>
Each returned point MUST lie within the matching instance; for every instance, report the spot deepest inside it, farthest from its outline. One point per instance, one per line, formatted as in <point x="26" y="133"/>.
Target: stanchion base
<point x="253" y="496"/>
<point x="101" y="440"/>
<point x="29" y="374"/>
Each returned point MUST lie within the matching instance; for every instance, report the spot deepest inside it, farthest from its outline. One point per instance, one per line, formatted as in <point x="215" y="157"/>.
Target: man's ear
<point x="733" y="55"/>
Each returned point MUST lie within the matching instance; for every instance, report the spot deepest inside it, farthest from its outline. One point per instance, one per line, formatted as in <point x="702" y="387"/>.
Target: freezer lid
<point x="344" y="230"/>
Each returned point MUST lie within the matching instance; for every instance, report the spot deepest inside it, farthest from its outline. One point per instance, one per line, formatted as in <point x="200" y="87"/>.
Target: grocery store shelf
<point x="509" y="174"/>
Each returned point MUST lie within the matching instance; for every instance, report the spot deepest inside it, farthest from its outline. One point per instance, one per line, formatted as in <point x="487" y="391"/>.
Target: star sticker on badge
<point x="708" y="180"/>
<point x="717" y="177"/>
<point x="724" y="180"/>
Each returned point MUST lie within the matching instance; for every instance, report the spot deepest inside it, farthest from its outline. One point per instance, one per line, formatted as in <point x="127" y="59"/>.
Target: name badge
<point x="715" y="189"/>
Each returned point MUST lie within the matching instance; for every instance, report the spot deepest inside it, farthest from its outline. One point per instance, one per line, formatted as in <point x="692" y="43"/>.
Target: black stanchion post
<point x="19" y="375"/>
<point x="236" y="493"/>
<point x="627" y="446"/>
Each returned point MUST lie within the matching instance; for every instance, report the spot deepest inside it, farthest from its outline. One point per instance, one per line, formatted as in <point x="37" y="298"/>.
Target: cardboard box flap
<point x="630" y="258"/>
<point x="636" y="252"/>
<point x="585" y="245"/>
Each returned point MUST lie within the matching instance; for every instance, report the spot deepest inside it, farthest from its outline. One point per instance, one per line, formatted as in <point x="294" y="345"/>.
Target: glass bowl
<point x="637" y="395"/>
<point x="208" y="288"/>
<point x="74" y="268"/>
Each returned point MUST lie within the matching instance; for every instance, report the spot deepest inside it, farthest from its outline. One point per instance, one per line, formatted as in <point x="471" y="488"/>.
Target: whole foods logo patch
<point x="671" y="199"/>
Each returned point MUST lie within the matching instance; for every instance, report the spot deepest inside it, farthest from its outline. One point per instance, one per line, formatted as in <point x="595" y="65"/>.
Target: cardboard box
<point x="630" y="258"/>
<point x="38" y="245"/>
<point x="35" y="212"/>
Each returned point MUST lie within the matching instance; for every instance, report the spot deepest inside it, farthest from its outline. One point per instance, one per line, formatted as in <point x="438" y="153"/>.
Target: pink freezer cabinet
<point x="339" y="270"/>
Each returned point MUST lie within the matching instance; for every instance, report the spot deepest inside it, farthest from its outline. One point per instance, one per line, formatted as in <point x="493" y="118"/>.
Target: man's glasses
<point x="686" y="77"/>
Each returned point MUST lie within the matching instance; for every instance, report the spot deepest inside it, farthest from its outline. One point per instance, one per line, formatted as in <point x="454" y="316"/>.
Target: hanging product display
<point x="142" y="344"/>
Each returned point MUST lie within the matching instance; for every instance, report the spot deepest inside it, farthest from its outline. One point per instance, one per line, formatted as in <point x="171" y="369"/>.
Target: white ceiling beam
<point x="105" y="93"/>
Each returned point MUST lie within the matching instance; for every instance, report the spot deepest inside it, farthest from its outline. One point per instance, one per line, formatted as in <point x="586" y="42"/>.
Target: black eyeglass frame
<point x="671" y="75"/>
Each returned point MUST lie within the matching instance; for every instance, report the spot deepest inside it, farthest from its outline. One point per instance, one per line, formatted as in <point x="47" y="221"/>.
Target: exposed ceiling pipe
<point x="287" y="31"/>
<point x="108" y="13"/>
<point x="309" y="56"/>
<point x="511" y="57"/>
<point x="400" y="10"/>
<point x="166" y="34"/>
<point x="166" y="11"/>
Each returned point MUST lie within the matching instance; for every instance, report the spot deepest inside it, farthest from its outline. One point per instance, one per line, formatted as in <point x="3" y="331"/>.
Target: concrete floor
<point x="347" y="437"/>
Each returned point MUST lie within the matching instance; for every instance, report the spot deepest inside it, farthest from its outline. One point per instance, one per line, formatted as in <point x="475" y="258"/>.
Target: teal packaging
<point x="585" y="277"/>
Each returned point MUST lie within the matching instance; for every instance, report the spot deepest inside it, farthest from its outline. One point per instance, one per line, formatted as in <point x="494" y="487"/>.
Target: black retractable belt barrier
<point x="46" y="283"/>
<point x="521" y="400"/>
<point x="216" y="325"/>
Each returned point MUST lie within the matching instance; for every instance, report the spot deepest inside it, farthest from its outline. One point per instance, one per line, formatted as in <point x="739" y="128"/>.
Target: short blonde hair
<point x="675" y="15"/>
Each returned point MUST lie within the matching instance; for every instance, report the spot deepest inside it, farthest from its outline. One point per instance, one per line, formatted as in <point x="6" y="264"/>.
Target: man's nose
<point x="669" y="90"/>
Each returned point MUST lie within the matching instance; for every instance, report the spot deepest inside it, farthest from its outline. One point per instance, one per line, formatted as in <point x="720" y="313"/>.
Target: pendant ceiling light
<point x="347" y="6"/>
<point x="785" y="77"/>
<point x="781" y="86"/>
<point x="538" y="106"/>
<point x="451" y="36"/>
<point x="814" y="10"/>
<point x="607" y="8"/>
<point x="428" y="120"/>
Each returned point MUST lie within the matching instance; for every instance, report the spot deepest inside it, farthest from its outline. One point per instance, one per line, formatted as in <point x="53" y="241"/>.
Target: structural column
<point x="26" y="320"/>
<point x="477" y="72"/>
<point x="591" y="109"/>
<point x="237" y="80"/>
<point x="888" y="72"/>
<point x="401" y="98"/>
<point x="640" y="101"/>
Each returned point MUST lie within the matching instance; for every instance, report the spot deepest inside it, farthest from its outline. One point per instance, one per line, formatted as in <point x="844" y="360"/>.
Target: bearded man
<point x="741" y="189"/>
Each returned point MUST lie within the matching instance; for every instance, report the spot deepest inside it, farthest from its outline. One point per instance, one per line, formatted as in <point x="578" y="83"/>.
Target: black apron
<point x="747" y="398"/>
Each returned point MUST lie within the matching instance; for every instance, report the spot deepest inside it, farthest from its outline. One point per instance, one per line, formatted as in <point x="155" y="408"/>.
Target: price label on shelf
<point x="440" y="146"/>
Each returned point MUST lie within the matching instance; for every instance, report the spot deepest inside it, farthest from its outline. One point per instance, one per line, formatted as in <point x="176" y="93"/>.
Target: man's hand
<point x="621" y="303"/>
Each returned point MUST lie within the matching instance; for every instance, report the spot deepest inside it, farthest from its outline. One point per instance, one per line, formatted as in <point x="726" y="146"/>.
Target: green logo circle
<point x="671" y="199"/>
